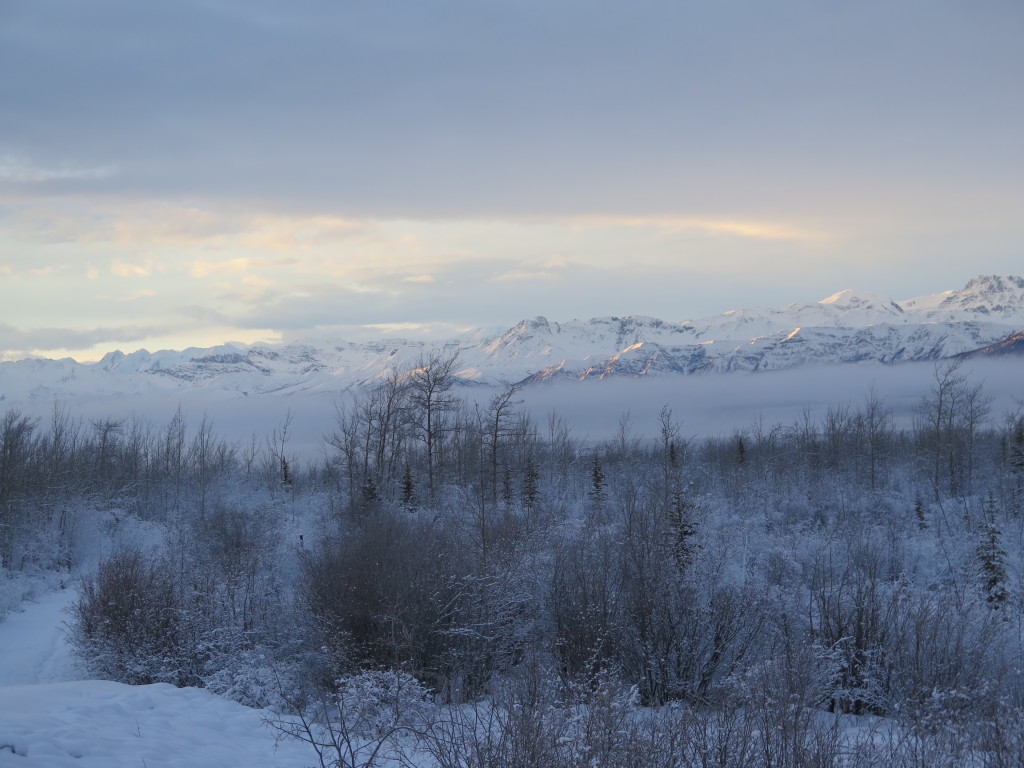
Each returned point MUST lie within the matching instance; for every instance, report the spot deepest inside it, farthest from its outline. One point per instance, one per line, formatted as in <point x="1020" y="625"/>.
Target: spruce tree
<point x="597" y="483"/>
<point x="992" y="557"/>
<point x="408" y="490"/>
<point x="1017" y="447"/>
<point x="922" y="521"/>
<point x="531" y="487"/>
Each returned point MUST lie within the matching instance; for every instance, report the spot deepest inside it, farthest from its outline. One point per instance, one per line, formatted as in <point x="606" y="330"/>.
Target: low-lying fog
<point x="705" y="405"/>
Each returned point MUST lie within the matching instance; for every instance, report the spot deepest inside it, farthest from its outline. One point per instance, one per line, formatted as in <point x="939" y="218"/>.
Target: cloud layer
<point x="461" y="163"/>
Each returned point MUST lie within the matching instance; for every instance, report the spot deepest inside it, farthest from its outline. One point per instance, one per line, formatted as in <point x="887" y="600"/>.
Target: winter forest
<point x="463" y="584"/>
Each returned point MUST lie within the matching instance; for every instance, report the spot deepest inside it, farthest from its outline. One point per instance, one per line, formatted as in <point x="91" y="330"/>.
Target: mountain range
<point x="985" y="317"/>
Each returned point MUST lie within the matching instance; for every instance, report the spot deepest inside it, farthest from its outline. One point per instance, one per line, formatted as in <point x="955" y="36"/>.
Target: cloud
<point x="425" y="331"/>
<point x="758" y="230"/>
<point x="315" y="306"/>
<point x="236" y="267"/>
<point x="144" y="294"/>
<point x="18" y="342"/>
<point x="505" y="109"/>
<point x="123" y="269"/>
<point x="300" y="233"/>
<point x="203" y="314"/>
<point x="522" y="274"/>
<point x="19" y="171"/>
<point x="128" y="223"/>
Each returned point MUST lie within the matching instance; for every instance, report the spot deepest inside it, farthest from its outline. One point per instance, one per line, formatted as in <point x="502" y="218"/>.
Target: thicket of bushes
<point x="751" y="588"/>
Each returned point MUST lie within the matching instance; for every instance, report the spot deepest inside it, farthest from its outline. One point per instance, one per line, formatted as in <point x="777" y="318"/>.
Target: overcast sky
<point x="191" y="172"/>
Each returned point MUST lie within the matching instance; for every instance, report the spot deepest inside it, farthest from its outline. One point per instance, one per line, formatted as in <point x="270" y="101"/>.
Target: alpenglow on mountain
<point x="847" y="327"/>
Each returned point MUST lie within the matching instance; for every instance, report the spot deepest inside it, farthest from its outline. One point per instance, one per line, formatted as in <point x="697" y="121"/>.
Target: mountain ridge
<point x="844" y="328"/>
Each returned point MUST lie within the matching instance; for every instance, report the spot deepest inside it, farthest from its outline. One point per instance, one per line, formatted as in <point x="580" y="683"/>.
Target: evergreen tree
<point x="680" y="521"/>
<point x="1017" y="447"/>
<point x="922" y="522"/>
<point x="531" y="487"/>
<point x="369" y="496"/>
<point x="408" y="490"/>
<point x="678" y="511"/>
<point x="507" y="494"/>
<point x="992" y="557"/>
<point x="598" y="494"/>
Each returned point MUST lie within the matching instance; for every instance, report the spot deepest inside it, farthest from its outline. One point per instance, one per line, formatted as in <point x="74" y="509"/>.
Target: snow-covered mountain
<point x="986" y="297"/>
<point x="847" y="327"/>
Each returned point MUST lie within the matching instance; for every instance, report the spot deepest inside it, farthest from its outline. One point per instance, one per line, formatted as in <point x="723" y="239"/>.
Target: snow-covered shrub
<point x="128" y="624"/>
<point x="622" y="603"/>
<point x="367" y="596"/>
<point x="522" y="724"/>
<point x="362" y="722"/>
<point x="403" y="592"/>
<point x="259" y="677"/>
<point x="785" y="699"/>
<point x="945" y="657"/>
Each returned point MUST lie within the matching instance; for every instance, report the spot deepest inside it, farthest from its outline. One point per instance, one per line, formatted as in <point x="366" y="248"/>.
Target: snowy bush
<point x="128" y="624"/>
<point x="362" y="722"/>
<point x="257" y="677"/>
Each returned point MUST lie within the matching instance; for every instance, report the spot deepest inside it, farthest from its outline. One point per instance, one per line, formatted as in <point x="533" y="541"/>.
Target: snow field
<point x="49" y="718"/>
<point x="32" y="645"/>
<point x="93" y="723"/>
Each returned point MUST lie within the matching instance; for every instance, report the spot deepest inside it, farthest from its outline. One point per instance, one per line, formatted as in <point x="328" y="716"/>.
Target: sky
<point x="189" y="173"/>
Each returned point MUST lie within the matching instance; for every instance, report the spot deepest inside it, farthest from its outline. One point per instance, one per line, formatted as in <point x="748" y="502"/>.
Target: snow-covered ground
<point x="50" y="717"/>
<point x="33" y="649"/>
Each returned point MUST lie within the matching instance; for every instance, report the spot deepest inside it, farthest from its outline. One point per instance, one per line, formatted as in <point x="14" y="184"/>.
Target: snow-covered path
<point x="32" y="645"/>
<point x="49" y="718"/>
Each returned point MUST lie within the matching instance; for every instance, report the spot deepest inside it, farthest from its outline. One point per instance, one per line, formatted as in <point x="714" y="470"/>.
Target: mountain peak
<point x="850" y="299"/>
<point x="994" y="284"/>
<point x="995" y="292"/>
<point x="111" y="360"/>
<point x="984" y="296"/>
